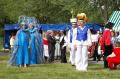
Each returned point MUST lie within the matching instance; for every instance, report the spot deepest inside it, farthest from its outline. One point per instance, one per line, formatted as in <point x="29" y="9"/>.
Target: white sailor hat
<point x="73" y="20"/>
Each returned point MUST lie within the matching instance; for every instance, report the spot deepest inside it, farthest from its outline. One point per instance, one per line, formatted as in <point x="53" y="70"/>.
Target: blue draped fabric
<point x="36" y="47"/>
<point x="20" y="55"/>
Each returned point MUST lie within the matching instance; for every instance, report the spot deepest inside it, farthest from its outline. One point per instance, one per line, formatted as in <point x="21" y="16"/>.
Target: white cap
<point x="73" y="20"/>
<point x="49" y="31"/>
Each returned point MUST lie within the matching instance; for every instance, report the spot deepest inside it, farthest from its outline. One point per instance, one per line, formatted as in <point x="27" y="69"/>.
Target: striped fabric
<point x="115" y="18"/>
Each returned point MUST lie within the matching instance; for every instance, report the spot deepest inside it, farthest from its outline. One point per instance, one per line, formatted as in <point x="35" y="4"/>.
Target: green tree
<point x="56" y="11"/>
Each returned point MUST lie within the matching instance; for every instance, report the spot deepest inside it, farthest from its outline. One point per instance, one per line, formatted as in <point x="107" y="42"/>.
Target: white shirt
<point x="117" y="38"/>
<point x="94" y="37"/>
<point x="57" y="39"/>
<point x="74" y="34"/>
<point x="65" y="40"/>
<point x="12" y="41"/>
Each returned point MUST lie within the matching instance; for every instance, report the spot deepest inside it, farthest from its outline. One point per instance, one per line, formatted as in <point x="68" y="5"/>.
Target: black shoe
<point x="73" y="65"/>
<point x="94" y="59"/>
<point x="105" y="66"/>
<point x="99" y="60"/>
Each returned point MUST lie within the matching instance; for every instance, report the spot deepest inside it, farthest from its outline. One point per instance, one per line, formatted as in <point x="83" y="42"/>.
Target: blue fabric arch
<point x="43" y="27"/>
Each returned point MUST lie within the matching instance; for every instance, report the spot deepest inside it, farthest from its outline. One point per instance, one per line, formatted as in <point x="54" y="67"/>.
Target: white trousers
<point x="81" y="57"/>
<point x="57" y="49"/>
<point x="46" y="51"/>
<point x="72" y="54"/>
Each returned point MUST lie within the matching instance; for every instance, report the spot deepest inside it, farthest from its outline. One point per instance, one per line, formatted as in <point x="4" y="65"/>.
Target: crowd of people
<point x="30" y="48"/>
<point x="57" y="42"/>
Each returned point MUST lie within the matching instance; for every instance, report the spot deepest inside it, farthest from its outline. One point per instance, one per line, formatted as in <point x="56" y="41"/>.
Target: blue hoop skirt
<point x="36" y="47"/>
<point x="20" y="55"/>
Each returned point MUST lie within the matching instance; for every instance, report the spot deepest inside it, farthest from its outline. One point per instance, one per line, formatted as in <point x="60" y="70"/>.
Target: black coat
<point x="51" y="42"/>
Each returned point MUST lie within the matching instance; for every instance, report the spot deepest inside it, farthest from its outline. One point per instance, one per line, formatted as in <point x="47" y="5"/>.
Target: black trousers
<point x="63" y="55"/>
<point x="51" y="54"/>
<point x="96" y="55"/>
<point x="108" y="50"/>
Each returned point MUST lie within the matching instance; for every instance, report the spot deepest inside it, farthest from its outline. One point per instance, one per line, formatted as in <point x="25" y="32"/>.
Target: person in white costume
<point x="63" y="44"/>
<point x="12" y="42"/>
<point x="72" y="37"/>
<point x="57" y="46"/>
<point x="83" y="41"/>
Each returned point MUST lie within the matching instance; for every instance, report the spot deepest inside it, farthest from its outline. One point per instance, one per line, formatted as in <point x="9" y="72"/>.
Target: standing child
<point x="106" y="38"/>
<point x="45" y="43"/>
<point x="12" y="42"/>
<point x="83" y="40"/>
<point x="72" y="33"/>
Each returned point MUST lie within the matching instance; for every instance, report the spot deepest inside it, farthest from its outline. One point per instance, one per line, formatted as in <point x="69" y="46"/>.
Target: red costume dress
<point x="115" y="60"/>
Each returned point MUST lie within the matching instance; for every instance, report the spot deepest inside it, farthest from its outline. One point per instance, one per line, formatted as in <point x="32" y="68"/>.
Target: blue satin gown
<point x="36" y="47"/>
<point x="20" y="55"/>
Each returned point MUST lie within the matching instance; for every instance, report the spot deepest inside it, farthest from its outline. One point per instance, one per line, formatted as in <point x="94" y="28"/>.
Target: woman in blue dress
<point x="20" y="55"/>
<point x="36" y="45"/>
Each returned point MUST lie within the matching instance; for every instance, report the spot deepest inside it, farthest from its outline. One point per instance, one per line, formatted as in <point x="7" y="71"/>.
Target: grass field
<point x="55" y="71"/>
<point x="1" y="43"/>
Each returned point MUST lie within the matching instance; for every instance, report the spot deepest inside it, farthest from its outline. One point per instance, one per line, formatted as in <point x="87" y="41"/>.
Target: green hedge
<point x="1" y="32"/>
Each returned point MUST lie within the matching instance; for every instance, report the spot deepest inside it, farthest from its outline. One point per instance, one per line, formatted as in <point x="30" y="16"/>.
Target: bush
<point x="1" y="32"/>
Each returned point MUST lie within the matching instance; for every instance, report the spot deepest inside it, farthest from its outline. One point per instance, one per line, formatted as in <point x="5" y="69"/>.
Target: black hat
<point x="109" y="25"/>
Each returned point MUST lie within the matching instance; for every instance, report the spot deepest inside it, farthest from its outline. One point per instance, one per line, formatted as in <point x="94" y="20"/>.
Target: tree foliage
<point x="56" y="11"/>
